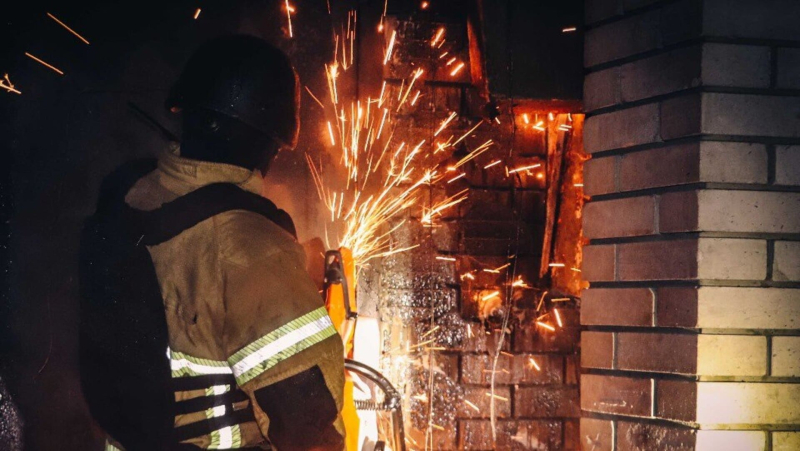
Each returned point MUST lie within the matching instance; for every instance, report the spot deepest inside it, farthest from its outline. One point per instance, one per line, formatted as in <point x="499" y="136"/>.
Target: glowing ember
<point x="197" y="14"/>
<point x="569" y="29"/>
<point x="534" y="364"/>
<point x="558" y="318"/>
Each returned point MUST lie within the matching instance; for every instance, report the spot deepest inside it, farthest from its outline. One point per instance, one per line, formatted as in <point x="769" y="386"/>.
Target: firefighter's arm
<point x="284" y="351"/>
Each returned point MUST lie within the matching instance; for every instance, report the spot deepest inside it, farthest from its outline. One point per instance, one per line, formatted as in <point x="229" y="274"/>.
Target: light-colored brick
<point x="731" y="355"/>
<point x="751" y="115"/>
<point x="785" y="441"/>
<point x="633" y="216"/>
<point x="624" y="128"/>
<point x="747" y="403"/>
<point x="736" y="65"/>
<point x="788" y="76"/>
<point x="786" y="266"/>
<point x="731" y="259"/>
<point x="732" y="162"/>
<point x="748" y="308"/>
<point x="730" y="211"/>
<point x="730" y="441"/>
<point x="786" y="356"/>
<point x="787" y="164"/>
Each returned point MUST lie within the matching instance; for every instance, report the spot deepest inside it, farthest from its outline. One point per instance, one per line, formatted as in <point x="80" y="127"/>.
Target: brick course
<point x="693" y="315"/>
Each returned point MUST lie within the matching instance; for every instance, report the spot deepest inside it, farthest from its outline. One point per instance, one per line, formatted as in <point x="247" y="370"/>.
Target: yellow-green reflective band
<point x="280" y="344"/>
<point x="111" y="447"/>
<point x="185" y="365"/>
<point x="226" y="438"/>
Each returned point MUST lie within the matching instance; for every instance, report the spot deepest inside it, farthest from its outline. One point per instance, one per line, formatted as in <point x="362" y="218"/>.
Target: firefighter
<point x="250" y="351"/>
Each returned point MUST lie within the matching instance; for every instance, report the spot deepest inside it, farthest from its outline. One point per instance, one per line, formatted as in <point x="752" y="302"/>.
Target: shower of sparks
<point x="197" y="14"/>
<point x="389" y="48"/>
<point x="49" y="66"/>
<point x="68" y="28"/>
<point x="6" y="84"/>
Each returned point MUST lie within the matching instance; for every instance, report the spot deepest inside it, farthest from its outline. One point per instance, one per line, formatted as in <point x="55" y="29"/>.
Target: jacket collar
<point x="182" y="175"/>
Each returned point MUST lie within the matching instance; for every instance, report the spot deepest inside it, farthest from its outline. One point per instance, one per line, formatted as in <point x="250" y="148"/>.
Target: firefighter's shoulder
<point x="246" y="238"/>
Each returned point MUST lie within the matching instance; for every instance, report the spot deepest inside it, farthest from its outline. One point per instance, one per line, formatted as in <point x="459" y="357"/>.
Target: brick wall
<point x="500" y="225"/>
<point x="692" y="321"/>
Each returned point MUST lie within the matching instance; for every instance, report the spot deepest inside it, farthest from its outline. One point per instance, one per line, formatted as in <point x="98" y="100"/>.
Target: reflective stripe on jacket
<point x="242" y="311"/>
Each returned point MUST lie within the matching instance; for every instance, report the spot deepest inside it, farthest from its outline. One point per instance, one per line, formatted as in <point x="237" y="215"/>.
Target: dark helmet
<point x="245" y="78"/>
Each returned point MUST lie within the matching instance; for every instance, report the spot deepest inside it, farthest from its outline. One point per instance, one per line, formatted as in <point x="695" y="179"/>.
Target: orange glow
<point x="491" y="295"/>
<point x="424" y="5"/>
<point x="197" y="14"/>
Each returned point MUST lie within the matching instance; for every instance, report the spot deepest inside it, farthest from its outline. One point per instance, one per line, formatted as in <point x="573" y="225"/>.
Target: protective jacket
<point x="251" y="351"/>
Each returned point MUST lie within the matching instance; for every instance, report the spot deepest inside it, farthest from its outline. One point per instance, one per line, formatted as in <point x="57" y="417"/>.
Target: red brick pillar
<point x="692" y="321"/>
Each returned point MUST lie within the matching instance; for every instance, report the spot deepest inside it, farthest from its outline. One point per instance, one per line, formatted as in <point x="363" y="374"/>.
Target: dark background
<point x="64" y="133"/>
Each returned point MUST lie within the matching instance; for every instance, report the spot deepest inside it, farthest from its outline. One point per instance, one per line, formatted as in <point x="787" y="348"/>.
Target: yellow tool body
<point x="340" y="301"/>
